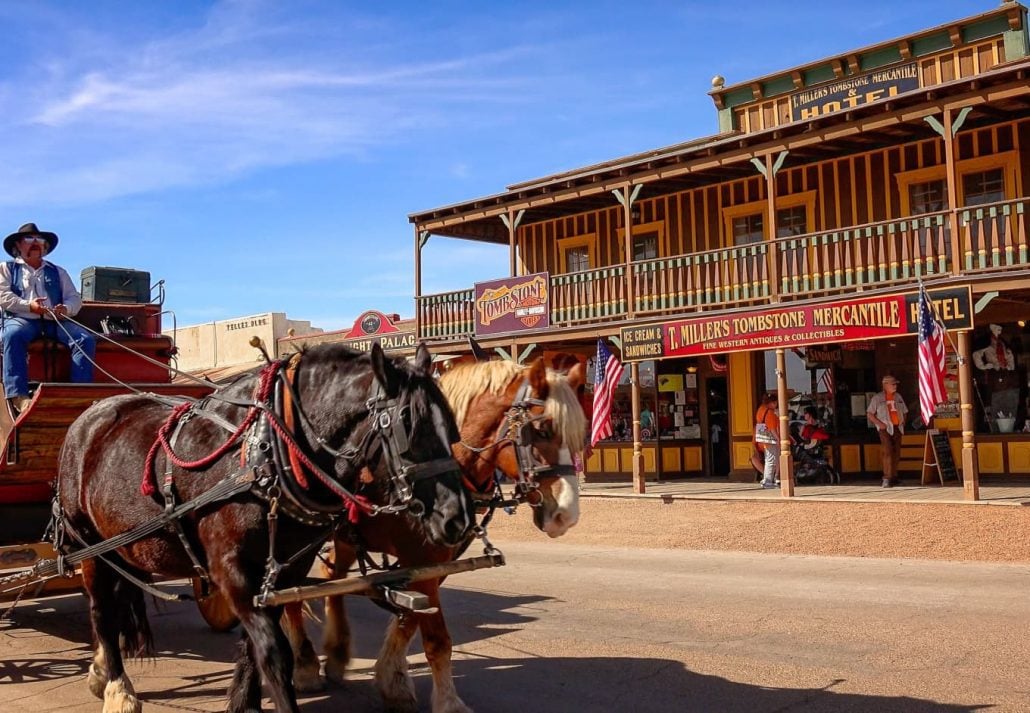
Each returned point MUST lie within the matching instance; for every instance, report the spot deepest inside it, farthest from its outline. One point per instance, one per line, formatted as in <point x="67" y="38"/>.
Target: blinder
<point x="518" y="427"/>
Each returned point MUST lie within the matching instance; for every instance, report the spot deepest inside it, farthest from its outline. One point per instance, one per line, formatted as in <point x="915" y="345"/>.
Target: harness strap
<point x="168" y="490"/>
<point x="288" y="417"/>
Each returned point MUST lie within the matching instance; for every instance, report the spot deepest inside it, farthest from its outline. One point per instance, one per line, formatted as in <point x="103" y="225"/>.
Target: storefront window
<point x="811" y="382"/>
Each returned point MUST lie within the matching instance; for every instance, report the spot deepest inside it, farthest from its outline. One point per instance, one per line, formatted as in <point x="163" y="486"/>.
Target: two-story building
<point x="784" y="253"/>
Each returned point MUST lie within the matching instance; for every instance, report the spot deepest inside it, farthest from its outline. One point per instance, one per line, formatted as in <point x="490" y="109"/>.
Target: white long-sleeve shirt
<point x="32" y="287"/>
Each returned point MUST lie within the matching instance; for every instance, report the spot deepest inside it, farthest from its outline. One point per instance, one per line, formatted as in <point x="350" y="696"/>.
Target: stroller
<point x="810" y="464"/>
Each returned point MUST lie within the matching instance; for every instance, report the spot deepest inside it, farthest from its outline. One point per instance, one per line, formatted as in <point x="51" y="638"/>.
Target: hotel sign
<point x="513" y="304"/>
<point x="795" y="326"/>
<point x="853" y="91"/>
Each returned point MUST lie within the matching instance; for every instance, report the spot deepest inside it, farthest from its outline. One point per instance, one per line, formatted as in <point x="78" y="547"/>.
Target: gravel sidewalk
<point x="921" y="531"/>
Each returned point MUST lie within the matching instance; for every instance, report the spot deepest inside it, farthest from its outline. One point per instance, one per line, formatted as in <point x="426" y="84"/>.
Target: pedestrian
<point x="887" y="412"/>
<point x="767" y="439"/>
<point x="35" y="294"/>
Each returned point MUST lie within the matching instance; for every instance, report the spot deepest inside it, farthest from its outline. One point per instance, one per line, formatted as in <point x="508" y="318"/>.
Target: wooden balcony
<point x="991" y="239"/>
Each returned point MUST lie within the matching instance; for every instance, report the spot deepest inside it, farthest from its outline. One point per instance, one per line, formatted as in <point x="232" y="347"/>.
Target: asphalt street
<point x="589" y="628"/>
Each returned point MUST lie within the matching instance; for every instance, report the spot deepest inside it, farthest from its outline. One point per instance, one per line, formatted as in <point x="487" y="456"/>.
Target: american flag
<point x="607" y="372"/>
<point x="826" y="381"/>
<point x="931" y="359"/>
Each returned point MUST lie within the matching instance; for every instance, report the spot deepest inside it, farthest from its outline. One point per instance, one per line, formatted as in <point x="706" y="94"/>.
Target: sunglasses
<point x="33" y="239"/>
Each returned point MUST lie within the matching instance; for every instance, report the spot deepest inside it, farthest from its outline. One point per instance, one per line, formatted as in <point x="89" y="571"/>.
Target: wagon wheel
<point x="214" y="607"/>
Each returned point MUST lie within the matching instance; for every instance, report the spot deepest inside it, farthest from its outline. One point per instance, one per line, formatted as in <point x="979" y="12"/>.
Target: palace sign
<point x="513" y="304"/>
<point x="854" y="91"/>
<point x="795" y="326"/>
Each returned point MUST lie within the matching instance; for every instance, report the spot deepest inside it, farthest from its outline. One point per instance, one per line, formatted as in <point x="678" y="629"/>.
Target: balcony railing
<point x="991" y="238"/>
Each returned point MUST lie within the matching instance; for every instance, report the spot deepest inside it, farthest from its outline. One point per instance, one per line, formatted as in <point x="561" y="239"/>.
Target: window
<point x="645" y="246"/>
<point x="984" y="187"/>
<point x="928" y="197"/>
<point x="748" y="229"/>
<point x="791" y="221"/>
<point x="576" y="254"/>
<point x="648" y="241"/>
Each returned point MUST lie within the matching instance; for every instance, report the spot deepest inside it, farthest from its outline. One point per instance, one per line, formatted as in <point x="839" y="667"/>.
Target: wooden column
<point x="770" y="227"/>
<point x="419" y="242"/>
<point x="638" y="447"/>
<point x="786" y="459"/>
<point x="949" y="160"/>
<point x="626" y="195"/>
<point x="970" y="464"/>
<point x="511" y="221"/>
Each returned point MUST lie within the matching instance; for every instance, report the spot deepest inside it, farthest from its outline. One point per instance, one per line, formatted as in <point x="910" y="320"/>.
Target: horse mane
<point x="462" y="384"/>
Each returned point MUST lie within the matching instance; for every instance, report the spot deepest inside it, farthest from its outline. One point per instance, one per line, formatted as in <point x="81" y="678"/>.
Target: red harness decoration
<point x="149" y="485"/>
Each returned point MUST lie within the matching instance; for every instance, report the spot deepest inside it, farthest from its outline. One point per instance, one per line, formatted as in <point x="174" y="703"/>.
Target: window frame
<point x="1008" y="161"/>
<point x="656" y="226"/>
<point x="587" y="240"/>
<point x="793" y="200"/>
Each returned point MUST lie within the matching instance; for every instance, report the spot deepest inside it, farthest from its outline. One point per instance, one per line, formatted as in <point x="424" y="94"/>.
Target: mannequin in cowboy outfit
<point x="33" y="294"/>
<point x="998" y="375"/>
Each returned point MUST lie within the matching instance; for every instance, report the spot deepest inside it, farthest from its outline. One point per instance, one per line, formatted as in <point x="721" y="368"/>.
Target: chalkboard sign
<point x="937" y="456"/>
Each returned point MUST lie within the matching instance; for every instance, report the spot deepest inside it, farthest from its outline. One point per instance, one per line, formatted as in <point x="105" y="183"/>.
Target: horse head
<point x="394" y="423"/>
<point x="527" y="423"/>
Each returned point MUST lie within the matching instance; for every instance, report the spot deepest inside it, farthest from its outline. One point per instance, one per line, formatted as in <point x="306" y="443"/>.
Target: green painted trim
<point x="985" y="28"/>
<point x="760" y="165"/>
<point x="818" y="75"/>
<point x="779" y="162"/>
<point x="526" y="352"/>
<point x="617" y="341"/>
<point x="777" y="86"/>
<point x="935" y="124"/>
<point x="983" y="301"/>
<point x="933" y="43"/>
<point x="959" y="120"/>
<point x="879" y="58"/>
<point x="1017" y="43"/>
<point x="726" y="120"/>
<point x="744" y="95"/>
<point x="423" y="238"/>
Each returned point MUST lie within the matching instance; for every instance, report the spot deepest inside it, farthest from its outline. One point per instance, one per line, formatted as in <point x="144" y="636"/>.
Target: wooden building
<point x="831" y="191"/>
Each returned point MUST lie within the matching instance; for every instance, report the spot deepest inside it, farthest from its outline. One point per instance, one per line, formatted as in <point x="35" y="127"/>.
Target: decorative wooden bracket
<point x="777" y="165"/>
<point x="621" y="197"/>
<point x="518" y="219"/>
<point x="526" y="352"/>
<point x="423" y="238"/>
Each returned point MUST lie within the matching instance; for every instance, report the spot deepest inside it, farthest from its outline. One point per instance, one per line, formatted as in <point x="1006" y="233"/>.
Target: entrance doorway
<point x="716" y="397"/>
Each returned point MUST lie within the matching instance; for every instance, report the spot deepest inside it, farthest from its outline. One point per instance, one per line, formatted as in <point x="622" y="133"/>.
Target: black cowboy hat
<point x="26" y="231"/>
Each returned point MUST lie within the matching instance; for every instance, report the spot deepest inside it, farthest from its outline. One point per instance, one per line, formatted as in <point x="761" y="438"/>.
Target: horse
<point x="514" y="419"/>
<point x="316" y="426"/>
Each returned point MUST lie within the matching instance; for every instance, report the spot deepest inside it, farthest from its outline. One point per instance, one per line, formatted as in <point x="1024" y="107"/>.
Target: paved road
<point x="581" y="628"/>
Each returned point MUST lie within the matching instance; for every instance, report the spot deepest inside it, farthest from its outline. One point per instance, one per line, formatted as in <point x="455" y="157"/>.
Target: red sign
<point x="369" y="324"/>
<point x="792" y="326"/>
<point x="513" y="304"/>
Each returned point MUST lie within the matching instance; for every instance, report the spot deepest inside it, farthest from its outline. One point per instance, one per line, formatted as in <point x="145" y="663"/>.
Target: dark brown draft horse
<point x="494" y="403"/>
<point x="351" y="412"/>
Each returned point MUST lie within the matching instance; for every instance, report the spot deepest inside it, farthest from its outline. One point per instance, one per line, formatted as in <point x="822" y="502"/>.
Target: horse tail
<point x="137" y="638"/>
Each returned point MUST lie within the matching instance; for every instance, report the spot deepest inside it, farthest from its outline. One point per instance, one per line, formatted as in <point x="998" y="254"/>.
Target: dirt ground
<point x="921" y="531"/>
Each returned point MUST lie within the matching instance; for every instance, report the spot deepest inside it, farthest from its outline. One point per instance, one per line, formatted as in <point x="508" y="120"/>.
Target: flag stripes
<point x="607" y="372"/>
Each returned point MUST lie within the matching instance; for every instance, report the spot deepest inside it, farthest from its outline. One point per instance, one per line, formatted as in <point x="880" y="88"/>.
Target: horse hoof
<point x="97" y="681"/>
<point x="120" y="697"/>
<point x="336" y="671"/>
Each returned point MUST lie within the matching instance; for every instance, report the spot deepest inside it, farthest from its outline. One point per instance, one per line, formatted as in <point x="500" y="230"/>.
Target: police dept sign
<point x="854" y="91"/>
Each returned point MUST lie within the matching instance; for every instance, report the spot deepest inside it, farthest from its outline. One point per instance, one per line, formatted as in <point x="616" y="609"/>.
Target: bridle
<point x="517" y="429"/>
<point x="386" y="425"/>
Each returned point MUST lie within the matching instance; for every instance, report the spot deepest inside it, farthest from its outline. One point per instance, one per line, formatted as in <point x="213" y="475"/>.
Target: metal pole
<point x="970" y="466"/>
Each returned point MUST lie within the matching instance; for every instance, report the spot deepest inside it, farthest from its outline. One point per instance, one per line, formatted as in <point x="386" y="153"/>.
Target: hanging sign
<point x="792" y="326"/>
<point x="853" y="91"/>
<point x="513" y="304"/>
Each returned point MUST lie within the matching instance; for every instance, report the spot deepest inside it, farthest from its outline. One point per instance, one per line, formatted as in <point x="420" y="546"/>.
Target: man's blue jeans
<point x="19" y="331"/>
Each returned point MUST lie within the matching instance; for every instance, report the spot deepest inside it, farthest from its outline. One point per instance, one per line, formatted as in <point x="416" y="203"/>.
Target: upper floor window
<point x="791" y="221"/>
<point x="983" y="187"/>
<point x="928" y="196"/>
<point x="748" y="229"/>
<point x="645" y="245"/>
<point x="576" y="254"/>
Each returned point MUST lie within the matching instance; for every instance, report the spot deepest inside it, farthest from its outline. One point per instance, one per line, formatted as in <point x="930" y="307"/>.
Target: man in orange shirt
<point x="887" y="412"/>
<point x="766" y="440"/>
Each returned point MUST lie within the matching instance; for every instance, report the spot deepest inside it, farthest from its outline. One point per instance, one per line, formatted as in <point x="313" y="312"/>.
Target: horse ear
<point x="384" y="370"/>
<point x="577" y="376"/>
<point x="423" y="359"/>
<point x="538" y="378"/>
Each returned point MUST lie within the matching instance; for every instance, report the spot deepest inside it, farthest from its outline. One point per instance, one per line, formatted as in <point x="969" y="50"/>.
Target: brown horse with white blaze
<point x="498" y="405"/>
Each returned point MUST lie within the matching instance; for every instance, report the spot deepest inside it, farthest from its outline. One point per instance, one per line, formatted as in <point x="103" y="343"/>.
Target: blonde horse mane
<point x="462" y="384"/>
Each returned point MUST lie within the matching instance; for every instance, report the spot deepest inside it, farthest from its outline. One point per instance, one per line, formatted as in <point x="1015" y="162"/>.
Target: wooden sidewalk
<point x="1011" y="491"/>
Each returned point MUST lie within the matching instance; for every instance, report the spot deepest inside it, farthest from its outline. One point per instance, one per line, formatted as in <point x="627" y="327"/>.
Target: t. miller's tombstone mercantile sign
<point x="854" y="91"/>
<point x="795" y="326"/>
<point x="513" y="304"/>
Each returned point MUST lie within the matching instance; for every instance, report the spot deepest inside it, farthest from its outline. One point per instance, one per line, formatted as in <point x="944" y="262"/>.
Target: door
<point x="716" y="398"/>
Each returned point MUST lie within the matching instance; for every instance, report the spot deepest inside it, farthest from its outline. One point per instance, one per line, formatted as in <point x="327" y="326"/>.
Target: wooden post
<point x="638" y="449"/>
<point x="511" y="243"/>
<point x="770" y="227"/>
<point x="952" y="182"/>
<point x="970" y="466"/>
<point x="627" y="211"/>
<point x="418" y="282"/>
<point x="786" y="459"/>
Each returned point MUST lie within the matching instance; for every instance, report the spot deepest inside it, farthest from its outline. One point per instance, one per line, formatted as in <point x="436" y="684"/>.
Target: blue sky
<point x="264" y="156"/>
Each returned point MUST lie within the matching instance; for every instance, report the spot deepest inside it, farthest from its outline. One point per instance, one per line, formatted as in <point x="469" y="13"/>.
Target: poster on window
<point x="950" y="408"/>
